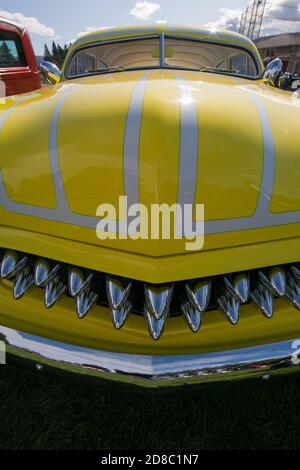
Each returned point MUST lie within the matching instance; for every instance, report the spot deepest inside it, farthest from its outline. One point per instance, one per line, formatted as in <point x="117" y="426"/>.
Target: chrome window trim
<point x="162" y="37"/>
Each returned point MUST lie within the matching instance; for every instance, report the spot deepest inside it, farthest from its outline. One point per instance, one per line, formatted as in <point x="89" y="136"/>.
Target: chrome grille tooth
<point x="230" y="305"/>
<point x="263" y="298"/>
<point x="78" y="281"/>
<point x="272" y="282"/>
<point x="84" y="302"/>
<point x="119" y="315"/>
<point x="293" y="291"/>
<point x="192" y="315"/>
<point x="43" y="272"/>
<point x="156" y="327"/>
<point x="278" y="281"/>
<point x="22" y="283"/>
<point x="295" y="270"/>
<point x="11" y="264"/>
<point x="275" y="280"/>
<point x="53" y="291"/>
<point x="264" y="279"/>
<point x="158" y="299"/>
<point x="199" y="294"/>
<point x="117" y="292"/>
<point x="239" y="286"/>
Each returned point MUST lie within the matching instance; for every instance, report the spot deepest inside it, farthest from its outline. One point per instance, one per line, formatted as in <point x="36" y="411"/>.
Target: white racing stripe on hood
<point x="189" y="134"/>
<point x="132" y="141"/>
<point x="62" y="212"/>
<point x="188" y="160"/>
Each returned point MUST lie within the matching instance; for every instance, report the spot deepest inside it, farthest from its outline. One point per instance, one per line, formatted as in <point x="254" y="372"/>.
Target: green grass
<point x="38" y="412"/>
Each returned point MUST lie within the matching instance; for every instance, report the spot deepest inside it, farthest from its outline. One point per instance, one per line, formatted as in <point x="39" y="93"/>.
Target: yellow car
<point x="160" y="116"/>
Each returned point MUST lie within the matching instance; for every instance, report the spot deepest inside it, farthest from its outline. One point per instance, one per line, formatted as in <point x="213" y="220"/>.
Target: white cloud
<point x="91" y="29"/>
<point x="271" y="26"/>
<point x="31" y="23"/>
<point x="284" y="10"/>
<point x="161" y="21"/>
<point x="230" y="19"/>
<point x="281" y="16"/>
<point x="144" y="10"/>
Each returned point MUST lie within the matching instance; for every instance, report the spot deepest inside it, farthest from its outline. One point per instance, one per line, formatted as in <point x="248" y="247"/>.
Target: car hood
<point x="156" y="137"/>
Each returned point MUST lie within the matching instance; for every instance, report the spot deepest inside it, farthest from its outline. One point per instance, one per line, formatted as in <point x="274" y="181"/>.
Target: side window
<point x="222" y="65"/>
<point x="240" y="64"/>
<point x="83" y="63"/>
<point x="11" y="50"/>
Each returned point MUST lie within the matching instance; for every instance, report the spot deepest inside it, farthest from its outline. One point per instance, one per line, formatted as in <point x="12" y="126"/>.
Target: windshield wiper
<point x="107" y="70"/>
<point x="215" y="70"/>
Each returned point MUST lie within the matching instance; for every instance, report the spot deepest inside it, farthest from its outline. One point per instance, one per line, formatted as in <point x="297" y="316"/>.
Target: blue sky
<point x="64" y="20"/>
<point x="67" y="18"/>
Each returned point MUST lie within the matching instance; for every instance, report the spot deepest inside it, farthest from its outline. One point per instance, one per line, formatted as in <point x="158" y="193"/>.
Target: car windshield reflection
<point x="161" y="52"/>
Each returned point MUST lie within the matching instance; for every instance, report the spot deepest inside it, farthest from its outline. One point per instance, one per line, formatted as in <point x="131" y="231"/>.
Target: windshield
<point x="213" y="57"/>
<point x="163" y="52"/>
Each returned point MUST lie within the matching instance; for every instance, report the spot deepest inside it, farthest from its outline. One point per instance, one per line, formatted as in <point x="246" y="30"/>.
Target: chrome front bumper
<point x="153" y="371"/>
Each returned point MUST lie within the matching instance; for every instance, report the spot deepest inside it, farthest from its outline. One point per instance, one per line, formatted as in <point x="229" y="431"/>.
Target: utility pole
<point x="252" y="18"/>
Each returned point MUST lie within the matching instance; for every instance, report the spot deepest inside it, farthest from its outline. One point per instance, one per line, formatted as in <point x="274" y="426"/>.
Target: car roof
<point x="12" y="23"/>
<point x="145" y="30"/>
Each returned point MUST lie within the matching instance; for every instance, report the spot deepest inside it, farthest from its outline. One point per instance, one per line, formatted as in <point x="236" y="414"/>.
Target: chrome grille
<point x="190" y="298"/>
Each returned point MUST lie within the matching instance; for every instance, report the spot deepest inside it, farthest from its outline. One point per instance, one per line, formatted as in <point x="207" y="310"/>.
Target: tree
<point x="47" y="54"/>
<point x="6" y="56"/>
<point x="55" y="53"/>
<point x="58" y="53"/>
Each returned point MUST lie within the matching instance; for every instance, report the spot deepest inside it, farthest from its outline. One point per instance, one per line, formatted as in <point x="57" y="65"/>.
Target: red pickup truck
<point x="18" y="66"/>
